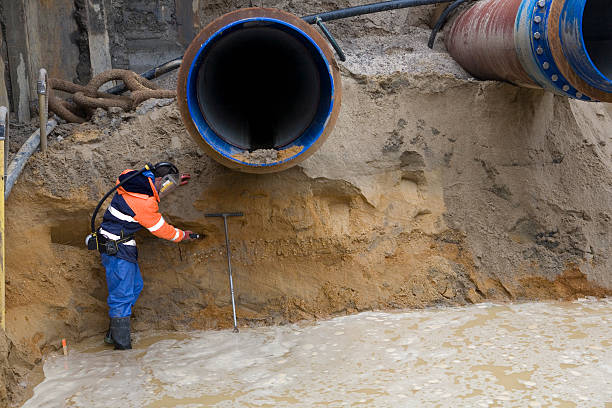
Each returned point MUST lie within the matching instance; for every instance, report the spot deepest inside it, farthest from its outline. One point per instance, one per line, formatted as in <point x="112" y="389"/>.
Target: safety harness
<point x="96" y="240"/>
<point x="109" y="246"/>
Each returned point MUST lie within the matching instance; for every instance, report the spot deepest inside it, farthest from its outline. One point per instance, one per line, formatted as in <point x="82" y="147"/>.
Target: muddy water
<point x="518" y="355"/>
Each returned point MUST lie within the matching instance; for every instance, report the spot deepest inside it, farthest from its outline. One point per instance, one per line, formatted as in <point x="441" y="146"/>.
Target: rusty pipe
<point x="563" y="46"/>
<point x="259" y="78"/>
<point x="27" y="149"/>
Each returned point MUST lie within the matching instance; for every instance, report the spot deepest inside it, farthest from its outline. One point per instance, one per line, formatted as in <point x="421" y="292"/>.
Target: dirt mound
<point x="14" y="373"/>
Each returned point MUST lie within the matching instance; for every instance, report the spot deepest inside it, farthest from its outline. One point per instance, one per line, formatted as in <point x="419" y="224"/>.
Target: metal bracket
<point x="331" y="39"/>
<point x="41" y="87"/>
<point x="3" y="122"/>
<point x="41" y="84"/>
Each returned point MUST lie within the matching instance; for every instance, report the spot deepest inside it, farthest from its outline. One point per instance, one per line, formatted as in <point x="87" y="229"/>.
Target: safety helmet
<point x="169" y="175"/>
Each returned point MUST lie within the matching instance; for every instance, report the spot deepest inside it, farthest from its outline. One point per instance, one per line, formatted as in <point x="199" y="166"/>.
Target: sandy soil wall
<point x="431" y="190"/>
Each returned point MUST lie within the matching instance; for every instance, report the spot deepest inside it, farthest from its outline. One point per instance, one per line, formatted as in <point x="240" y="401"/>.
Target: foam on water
<point x="518" y="355"/>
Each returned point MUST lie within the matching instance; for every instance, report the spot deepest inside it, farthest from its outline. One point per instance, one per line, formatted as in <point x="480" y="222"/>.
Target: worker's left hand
<point x="185" y="177"/>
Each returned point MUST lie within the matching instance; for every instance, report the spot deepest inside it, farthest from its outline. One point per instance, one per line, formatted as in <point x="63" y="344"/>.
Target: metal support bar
<point x="43" y="112"/>
<point x="331" y="39"/>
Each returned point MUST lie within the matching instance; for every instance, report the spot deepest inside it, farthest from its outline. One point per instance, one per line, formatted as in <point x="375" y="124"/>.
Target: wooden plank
<point x="18" y="57"/>
<point x="55" y="33"/>
<point x="4" y="101"/>
<point x="99" y="44"/>
<point x="188" y="20"/>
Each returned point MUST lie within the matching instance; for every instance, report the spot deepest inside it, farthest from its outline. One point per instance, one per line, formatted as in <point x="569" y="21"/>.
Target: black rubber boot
<point x="108" y="339"/>
<point x="120" y="333"/>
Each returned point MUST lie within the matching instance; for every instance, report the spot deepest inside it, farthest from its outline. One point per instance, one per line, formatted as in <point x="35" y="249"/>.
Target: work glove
<point x="187" y="236"/>
<point x="185" y="177"/>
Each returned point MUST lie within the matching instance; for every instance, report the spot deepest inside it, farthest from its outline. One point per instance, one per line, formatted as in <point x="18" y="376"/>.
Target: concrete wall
<point x="76" y="39"/>
<point x="147" y="33"/>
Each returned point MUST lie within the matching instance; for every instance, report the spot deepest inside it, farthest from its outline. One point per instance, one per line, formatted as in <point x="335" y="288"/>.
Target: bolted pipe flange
<point x="563" y="46"/>
<point x="532" y="19"/>
<point x="570" y="51"/>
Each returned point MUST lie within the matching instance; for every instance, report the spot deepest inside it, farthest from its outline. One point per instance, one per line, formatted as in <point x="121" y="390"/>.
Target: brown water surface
<point x="516" y="355"/>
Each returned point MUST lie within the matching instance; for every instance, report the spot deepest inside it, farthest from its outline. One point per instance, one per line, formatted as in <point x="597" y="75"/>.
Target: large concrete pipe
<point x="564" y="46"/>
<point x="258" y="79"/>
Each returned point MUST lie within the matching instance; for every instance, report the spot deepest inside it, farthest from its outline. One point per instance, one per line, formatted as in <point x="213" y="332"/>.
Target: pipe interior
<point x="261" y="85"/>
<point x="597" y="32"/>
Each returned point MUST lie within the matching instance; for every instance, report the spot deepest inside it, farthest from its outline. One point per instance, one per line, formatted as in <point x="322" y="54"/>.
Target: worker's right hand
<point x="187" y="236"/>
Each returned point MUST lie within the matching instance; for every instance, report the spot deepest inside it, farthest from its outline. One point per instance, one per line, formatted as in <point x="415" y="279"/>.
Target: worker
<point x="134" y="206"/>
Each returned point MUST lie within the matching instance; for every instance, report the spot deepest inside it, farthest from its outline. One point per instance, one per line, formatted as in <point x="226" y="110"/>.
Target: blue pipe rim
<point x="575" y="49"/>
<point x="206" y="132"/>
<point x="538" y="59"/>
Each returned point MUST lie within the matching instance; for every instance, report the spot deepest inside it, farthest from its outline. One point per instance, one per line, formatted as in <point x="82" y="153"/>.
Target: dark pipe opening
<point x="597" y="32"/>
<point x="259" y="85"/>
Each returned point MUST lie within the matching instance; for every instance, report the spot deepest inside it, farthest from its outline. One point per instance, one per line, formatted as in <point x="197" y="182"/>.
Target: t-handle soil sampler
<point x="229" y="261"/>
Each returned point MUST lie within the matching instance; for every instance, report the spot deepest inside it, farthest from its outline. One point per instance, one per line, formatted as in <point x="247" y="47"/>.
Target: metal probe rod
<point x="229" y="256"/>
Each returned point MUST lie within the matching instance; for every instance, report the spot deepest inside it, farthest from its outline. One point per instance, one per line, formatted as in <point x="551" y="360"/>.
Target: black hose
<point x="111" y="191"/>
<point x="151" y="74"/>
<point x="442" y="20"/>
<point x="331" y="40"/>
<point x="368" y="9"/>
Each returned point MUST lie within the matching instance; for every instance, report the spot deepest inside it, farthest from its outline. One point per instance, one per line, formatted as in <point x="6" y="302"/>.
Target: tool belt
<point x="105" y="245"/>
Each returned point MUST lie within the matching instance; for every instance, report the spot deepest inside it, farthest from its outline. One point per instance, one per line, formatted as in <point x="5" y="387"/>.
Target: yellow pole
<point x="3" y="132"/>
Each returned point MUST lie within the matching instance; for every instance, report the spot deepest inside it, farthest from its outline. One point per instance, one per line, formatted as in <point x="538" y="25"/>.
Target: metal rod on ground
<point x="43" y="112"/>
<point x="229" y="255"/>
<point x="3" y="132"/>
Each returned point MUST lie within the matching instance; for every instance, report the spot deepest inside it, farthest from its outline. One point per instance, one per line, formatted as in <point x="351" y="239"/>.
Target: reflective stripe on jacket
<point x="135" y="206"/>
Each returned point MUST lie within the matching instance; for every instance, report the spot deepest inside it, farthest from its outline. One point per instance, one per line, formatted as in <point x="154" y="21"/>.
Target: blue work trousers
<point x="124" y="285"/>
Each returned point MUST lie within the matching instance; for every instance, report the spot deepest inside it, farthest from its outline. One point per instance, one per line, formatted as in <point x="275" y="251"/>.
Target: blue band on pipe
<point x="574" y="47"/>
<point x="533" y="49"/>
<point x="308" y="137"/>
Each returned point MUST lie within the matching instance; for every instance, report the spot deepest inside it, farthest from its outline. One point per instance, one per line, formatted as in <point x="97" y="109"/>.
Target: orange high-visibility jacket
<point x="135" y="205"/>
